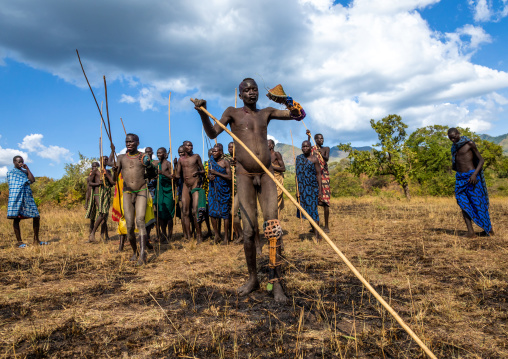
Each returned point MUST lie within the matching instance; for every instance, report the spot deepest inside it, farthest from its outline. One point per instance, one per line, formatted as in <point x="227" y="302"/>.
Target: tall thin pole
<point x="100" y="153"/>
<point x="107" y="113"/>
<point x="327" y="239"/>
<point x="96" y="103"/>
<point x="174" y="186"/>
<point x="170" y="146"/>
<point x="123" y="127"/>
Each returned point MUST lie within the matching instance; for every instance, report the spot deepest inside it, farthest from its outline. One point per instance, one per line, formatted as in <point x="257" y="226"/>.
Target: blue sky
<point x="432" y="62"/>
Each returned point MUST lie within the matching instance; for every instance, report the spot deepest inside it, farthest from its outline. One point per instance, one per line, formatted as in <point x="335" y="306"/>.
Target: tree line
<point x="421" y="160"/>
<point x="419" y="164"/>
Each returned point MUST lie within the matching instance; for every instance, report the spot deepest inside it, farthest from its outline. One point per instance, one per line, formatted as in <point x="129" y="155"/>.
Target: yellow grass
<point x="73" y="299"/>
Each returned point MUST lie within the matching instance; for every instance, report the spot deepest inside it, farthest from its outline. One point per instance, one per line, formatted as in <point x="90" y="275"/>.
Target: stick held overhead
<point x="328" y="240"/>
<point x="86" y="78"/>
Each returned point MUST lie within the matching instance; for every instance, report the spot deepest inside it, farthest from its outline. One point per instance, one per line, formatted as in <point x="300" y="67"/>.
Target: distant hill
<point x="335" y="154"/>
<point x="499" y="140"/>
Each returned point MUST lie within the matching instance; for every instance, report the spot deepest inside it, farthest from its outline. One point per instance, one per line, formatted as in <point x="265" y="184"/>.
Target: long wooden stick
<point x="109" y="127"/>
<point x="123" y="127"/>
<point x="170" y="146"/>
<point x="107" y="113"/>
<point x="100" y="154"/>
<point x="296" y="178"/>
<point x="328" y="240"/>
<point x="86" y="78"/>
<point x="174" y="186"/>
<point x="157" y="198"/>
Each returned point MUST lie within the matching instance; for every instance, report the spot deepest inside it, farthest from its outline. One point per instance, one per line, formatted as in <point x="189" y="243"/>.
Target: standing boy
<point x="250" y="125"/>
<point x="21" y="203"/>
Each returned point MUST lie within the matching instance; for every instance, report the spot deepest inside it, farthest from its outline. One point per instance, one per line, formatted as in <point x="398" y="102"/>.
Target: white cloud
<point x="33" y="143"/>
<point x="484" y="11"/>
<point x="7" y="154"/>
<point x="270" y="137"/>
<point x="481" y="10"/>
<point x="3" y="171"/>
<point x="345" y="64"/>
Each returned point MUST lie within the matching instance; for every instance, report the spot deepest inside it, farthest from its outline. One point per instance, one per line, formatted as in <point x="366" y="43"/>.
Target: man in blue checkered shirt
<point x="21" y="204"/>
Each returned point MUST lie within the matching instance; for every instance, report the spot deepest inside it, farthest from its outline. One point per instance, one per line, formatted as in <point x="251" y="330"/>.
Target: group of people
<point x="149" y="193"/>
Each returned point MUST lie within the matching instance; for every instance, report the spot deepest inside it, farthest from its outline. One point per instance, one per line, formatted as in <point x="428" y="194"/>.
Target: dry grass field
<point x="72" y="299"/>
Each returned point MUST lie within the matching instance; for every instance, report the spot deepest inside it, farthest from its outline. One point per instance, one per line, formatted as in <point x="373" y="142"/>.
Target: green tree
<point x="389" y="156"/>
<point x="68" y="190"/>
<point x="431" y="160"/>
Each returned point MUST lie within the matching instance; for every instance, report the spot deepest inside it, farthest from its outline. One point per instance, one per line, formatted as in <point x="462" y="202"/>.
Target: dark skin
<point x="20" y="164"/>
<point x="165" y="226"/>
<point x="237" y="226"/>
<point x="89" y="189"/>
<point x="181" y="153"/>
<point x="94" y="181"/>
<point x="134" y="194"/>
<point x="250" y="125"/>
<point x="218" y="157"/>
<point x="101" y="174"/>
<point x="306" y="150"/>
<point x="190" y="167"/>
<point x="464" y="162"/>
<point x="276" y="158"/>
<point x="149" y="153"/>
<point x="325" y="153"/>
<point x="237" y="223"/>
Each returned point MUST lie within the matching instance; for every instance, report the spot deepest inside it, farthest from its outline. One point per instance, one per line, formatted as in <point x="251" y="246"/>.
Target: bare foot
<point x="278" y="293"/>
<point x="469" y="235"/>
<point x="251" y="285"/>
<point x="134" y="257"/>
<point x="326" y="230"/>
<point x="91" y="239"/>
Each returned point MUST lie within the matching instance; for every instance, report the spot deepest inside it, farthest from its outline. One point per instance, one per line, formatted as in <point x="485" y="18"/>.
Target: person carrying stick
<point x="98" y="208"/>
<point x="250" y="124"/>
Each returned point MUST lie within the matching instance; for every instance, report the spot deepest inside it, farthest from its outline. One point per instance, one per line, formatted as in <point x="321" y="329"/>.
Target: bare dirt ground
<point x="72" y="299"/>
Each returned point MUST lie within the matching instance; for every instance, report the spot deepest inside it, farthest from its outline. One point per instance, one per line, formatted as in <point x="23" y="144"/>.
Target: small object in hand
<point x="278" y="95"/>
<point x="269" y="287"/>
